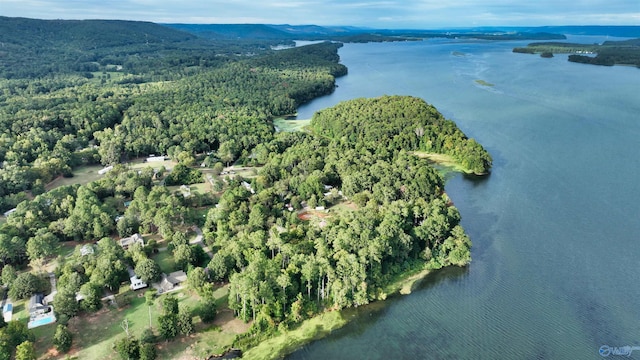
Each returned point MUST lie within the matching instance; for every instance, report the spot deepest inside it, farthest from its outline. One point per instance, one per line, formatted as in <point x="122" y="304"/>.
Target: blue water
<point x="41" y="321"/>
<point x="555" y="227"/>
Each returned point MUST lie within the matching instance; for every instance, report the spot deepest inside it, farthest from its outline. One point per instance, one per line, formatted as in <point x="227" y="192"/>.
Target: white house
<point x="136" y="282"/>
<point x="133" y="239"/>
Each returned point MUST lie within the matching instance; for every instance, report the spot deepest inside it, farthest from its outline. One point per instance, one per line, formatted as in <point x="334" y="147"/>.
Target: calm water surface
<point x="555" y="227"/>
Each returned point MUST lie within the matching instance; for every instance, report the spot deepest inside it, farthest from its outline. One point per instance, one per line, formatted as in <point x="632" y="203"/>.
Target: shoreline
<point x="325" y="323"/>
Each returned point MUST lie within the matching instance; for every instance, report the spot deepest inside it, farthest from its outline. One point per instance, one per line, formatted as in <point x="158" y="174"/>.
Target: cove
<point x="555" y="227"/>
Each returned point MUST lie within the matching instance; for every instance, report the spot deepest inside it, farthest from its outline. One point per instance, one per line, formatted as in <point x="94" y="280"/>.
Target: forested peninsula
<point x="609" y="53"/>
<point x="153" y="157"/>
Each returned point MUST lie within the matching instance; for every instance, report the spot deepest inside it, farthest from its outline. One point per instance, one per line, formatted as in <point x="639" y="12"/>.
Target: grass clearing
<point x="95" y="333"/>
<point x="244" y="171"/>
<point x="312" y="329"/>
<point x="443" y="163"/>
<point x="164" y="259"/>
<point x="141" y="163"/>
<point x="343" y="206"/>
<point x="81" y="175"/>
<point x="283" y="124"/>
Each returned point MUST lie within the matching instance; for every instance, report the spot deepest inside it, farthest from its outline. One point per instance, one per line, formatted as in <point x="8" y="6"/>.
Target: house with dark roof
<point x="37" y="305"/>
<point x="171" y="281"/>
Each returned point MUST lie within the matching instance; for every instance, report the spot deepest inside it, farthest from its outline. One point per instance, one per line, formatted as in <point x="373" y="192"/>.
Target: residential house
<point x="38" y="306"/>
<point x="133" y="239"/>
<point x="169" y="282"/>
<point x="136" y="282"/>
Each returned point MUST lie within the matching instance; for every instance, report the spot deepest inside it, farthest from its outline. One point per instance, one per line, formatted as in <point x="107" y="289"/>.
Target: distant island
<point x="609" y="53"/>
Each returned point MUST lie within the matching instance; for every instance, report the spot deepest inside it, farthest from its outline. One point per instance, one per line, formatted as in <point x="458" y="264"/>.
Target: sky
<point x="387" y="14"/>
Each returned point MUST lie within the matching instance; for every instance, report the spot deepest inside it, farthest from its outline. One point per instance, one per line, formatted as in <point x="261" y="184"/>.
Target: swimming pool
<point x="41" y="321"/>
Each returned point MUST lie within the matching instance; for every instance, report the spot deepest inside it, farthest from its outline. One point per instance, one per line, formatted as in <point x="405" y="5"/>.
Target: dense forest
<point x="49" y="125"/>
<point x="609" y="53"/>
<point x="326" y="219"/>
<point x="401" y="123"/>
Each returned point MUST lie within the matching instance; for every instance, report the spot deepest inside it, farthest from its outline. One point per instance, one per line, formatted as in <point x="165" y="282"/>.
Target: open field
<point x="446" y="163"/>
<point x="165" y="261"/>
<point x="140" y="163"/>
<point x="290" y="125"/>
<point x="82" y="175"/>
<point x="244" y="171"/>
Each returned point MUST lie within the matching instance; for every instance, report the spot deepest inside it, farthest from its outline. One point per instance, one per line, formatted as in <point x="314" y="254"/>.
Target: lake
<point x="555" y="227"/>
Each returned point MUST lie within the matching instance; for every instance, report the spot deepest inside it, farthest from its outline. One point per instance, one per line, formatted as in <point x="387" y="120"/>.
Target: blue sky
<point x="422" y="14"/>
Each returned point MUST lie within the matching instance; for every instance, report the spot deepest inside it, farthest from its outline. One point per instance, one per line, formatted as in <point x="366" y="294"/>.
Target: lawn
<point x="312" y="329"/>
<point x="140" y="163"/>
<point x="443" y="163"/>
<point x="82" y="175"/>
<point x="290" y="125"/>
<point x="201" y="188"/>
<point x="165" y="261"/>
<point x="95" y="333"/>
<point x="244" y="171"/>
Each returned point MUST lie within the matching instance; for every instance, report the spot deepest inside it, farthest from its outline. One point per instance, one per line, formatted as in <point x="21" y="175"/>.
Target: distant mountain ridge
<point x="264" y="31"/>
<point x="316" y="32"/>
<point x="88" y="33"/>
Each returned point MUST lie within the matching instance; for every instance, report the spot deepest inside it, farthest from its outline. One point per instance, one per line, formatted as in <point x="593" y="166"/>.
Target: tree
<point x="169" y="305"/>
<point x="62" y="338"/>
<point x="207" y="309"/>
<point x="9" y="275"/>
<point x="26" y="351"/>
<point x="218" y="267"/>
<point x="128" y="348"/>
<point x="197" y="278"/>
<point x="17" y="333"/>
<point x="147" y="351"/>
<point x="168" y="326"/>
<point x="148" y="270"/>
<point x="91" y="293"/>
<point x="25" y="285"/>
<point x="185" y="321"/>
<point x="183" y="255"/>
<point x="66" y="303"/>
<point x="41" y="245"/>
